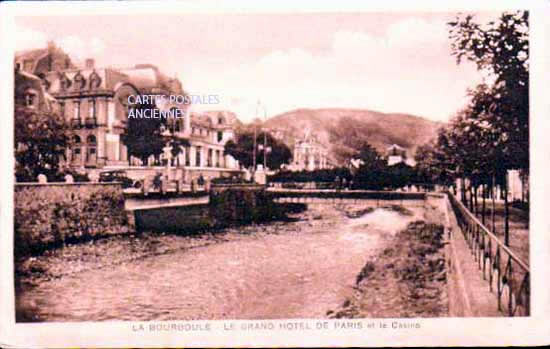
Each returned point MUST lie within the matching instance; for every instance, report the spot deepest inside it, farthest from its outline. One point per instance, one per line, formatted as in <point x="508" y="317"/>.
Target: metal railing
<point x="506" y="273"/>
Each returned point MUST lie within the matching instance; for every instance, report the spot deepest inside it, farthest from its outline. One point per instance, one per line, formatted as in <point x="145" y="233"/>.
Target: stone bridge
<point x="139" y="201"/>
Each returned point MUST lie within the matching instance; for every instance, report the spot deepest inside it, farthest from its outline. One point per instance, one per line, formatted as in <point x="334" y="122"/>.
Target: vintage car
<point x="119" y="176"/>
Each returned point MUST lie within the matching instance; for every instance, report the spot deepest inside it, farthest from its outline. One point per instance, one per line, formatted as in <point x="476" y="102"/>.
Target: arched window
<point x="91" y="155"/>
<point x="175" y="120"/>
<point x="80" y="81"/>
<point x="76" y="157"/>
<point x="92" y="108"/>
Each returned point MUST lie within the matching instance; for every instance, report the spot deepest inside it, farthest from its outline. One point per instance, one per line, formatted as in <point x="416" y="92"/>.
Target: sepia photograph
<point x="271" y="166"/>
<point x="274" y="170"/>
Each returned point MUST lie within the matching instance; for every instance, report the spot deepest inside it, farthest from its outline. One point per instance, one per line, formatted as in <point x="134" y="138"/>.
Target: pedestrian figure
<point x="69" y="178"/>
<point x="42" y="178"/>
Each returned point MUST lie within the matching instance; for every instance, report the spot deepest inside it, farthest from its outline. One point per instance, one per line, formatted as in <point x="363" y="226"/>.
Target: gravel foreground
<point x="405" y="280"/>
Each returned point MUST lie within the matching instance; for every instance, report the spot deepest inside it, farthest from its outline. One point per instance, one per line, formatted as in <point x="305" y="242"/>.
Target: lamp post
<point x="254" y="141"/>
<point x="266" y="149"/>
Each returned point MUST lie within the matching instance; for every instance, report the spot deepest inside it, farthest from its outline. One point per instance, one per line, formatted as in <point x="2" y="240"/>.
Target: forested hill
<point x="343" y="131"/>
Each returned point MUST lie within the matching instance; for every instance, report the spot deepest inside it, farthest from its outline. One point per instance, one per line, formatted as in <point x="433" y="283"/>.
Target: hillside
<point x="343" y="131"/>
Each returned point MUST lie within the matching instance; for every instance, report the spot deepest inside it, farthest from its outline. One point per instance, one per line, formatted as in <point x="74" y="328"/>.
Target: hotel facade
<point x="94" y="102"/>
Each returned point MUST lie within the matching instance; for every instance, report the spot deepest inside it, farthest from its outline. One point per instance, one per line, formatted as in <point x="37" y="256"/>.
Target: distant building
<point x="518" y="185"/>
<point x="396" y="154"/>
<point x="309" y="155"/>
<point x="278" y="133"/>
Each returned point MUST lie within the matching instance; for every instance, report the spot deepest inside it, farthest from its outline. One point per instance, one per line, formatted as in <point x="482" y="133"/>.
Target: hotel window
<point x="92" y="144"/>
<point x="220" y="136"/>
<point x="76" y="114"/>
<point x="175" y="120"/>
<point x="76" y="148"/>
<point x="210" y="156"/>
<point x="28" y="65"/>
<point x="92" y="108"/>
<point x="187" y="156"/>
<point x="62" y="108"/>
<point x="198" y="157"/>
<point x="30" y="98"/>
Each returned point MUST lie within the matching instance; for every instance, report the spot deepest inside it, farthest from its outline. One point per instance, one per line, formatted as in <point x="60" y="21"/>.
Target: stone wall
<point x="52" y="214"/>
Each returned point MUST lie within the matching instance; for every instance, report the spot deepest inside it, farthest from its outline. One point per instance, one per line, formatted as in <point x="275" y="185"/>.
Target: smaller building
<point x="309" y="155"/>
<point x="396" y="154"/>
<point x="518" y="185"/>
<point x="30" y="94"/>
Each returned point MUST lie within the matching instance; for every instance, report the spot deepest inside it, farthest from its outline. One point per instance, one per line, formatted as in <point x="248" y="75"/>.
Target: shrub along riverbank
<point x="52" y="215"/>
<point x="56" y="215"/>
<point x="407" y="279"/>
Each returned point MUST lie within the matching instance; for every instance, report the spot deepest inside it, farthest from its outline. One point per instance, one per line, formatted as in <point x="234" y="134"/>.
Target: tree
<point x="400" y="175"/>
<point x="372" y="173"/>
<point x="176" y="145"/>
<point x="40" y="143"/>
<point x="500" y="49"/>
<point x="242" y="149"/>
<point x="143" y="137"/>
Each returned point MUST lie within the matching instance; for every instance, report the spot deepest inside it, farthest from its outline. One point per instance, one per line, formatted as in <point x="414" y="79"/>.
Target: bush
<point x="47" y="216"/>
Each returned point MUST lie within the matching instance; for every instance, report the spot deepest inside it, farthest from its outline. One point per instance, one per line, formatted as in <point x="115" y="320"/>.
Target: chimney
<point x="89" y="63"/>
<point x="51" y="47"/>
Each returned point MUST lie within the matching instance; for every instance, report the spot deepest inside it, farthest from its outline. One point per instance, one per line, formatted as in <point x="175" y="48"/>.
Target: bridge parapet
<point x="345" y="194"/>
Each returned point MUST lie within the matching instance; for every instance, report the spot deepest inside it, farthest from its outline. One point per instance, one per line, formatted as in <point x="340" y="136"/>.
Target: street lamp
<point x="263" y="147"/>
<point x="254" y="141"/>
<point x="266" y="150"/>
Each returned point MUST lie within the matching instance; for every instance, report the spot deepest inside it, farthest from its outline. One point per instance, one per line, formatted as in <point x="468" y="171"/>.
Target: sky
<point x="387" y="62"/>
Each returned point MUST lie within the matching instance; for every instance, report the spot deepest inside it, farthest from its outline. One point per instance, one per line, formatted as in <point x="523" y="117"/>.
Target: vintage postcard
<point x="230" y="173"/>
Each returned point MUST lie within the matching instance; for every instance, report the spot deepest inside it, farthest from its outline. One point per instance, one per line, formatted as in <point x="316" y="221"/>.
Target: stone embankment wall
<point x="50" y="215"/>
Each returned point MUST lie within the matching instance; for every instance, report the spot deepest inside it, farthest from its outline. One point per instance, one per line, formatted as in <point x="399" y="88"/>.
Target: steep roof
<point x="33" y="54"/>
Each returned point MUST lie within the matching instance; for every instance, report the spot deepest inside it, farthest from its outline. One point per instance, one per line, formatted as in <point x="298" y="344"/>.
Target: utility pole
<point x="265" y="141"/>
<point x="254" y="148"/>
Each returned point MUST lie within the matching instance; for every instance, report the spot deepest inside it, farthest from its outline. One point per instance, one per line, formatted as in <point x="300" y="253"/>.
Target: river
<point x="298" y="269"/>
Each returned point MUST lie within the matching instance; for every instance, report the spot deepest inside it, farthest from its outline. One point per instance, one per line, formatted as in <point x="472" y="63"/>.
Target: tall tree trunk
<point x="493" y="193"/>
<point x="483" y="206"/>
<point x="471" y="191"/>
<point x="463" y="190"/>
<point x="506" y="214"/>
<point x="475" y="200"/>
<point x="523" y="198"/>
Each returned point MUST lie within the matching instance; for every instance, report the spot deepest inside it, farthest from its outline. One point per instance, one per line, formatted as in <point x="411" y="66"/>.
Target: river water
<point x="298" y="269"/>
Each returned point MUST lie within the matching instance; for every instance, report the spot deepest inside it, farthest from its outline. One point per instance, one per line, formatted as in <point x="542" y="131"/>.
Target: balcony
<point x="91" y="122"/>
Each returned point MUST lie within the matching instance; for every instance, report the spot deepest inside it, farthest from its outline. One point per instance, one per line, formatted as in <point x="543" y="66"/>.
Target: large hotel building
<point x="94" y="101"/>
